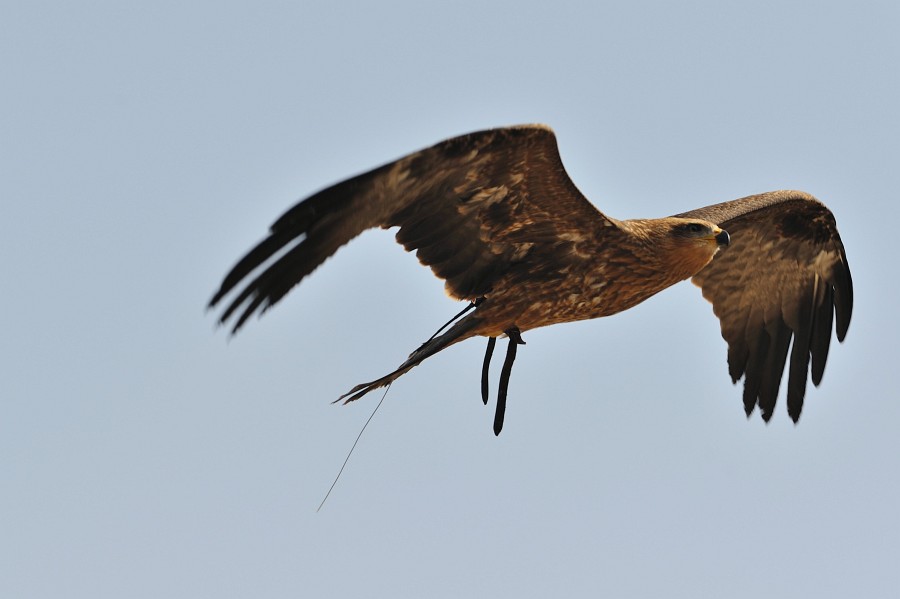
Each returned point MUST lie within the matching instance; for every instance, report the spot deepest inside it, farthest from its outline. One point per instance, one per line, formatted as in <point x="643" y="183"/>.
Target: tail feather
<point x="459" y="331"/>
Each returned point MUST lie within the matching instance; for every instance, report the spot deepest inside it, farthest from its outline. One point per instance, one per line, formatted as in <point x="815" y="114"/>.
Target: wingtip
<point x="222" y="319"/>
<point x="843" y="299"/>
<point x="216" y="298"/>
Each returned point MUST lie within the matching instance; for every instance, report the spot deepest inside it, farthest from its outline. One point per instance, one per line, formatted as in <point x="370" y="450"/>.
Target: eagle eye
<point x="691" y="229"/>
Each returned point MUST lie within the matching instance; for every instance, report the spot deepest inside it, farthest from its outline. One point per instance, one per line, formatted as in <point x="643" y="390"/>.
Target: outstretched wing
<point x="784" y="275"/>
<point x="471" y="206"/>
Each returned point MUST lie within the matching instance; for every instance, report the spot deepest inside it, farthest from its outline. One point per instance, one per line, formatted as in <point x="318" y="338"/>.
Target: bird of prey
<point x="495" y="215"/>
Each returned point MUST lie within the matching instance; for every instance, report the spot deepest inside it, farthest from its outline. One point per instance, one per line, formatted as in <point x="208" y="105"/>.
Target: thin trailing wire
<point x="372" y="415"/>
<point x="349" y="453"/>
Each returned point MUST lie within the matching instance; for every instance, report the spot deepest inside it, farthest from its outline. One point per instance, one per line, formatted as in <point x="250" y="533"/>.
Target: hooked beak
<point x="723" y="239"/>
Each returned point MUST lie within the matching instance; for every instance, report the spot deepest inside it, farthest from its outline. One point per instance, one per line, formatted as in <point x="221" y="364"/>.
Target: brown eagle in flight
<point x="495" y="215"/>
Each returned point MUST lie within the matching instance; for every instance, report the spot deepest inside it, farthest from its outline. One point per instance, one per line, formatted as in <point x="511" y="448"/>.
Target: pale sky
<point x="146" y="147"/>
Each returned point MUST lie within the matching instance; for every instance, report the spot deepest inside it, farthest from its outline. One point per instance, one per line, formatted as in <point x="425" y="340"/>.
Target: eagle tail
<point x="459" y="331"/>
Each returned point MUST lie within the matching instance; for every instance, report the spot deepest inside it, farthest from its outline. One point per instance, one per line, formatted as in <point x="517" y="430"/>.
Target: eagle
<point x="495" y="215"/>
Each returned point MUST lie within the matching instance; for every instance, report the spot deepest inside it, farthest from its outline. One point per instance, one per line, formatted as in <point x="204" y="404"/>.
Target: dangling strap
<point x="515" y="339"/>
<point x="492" y="341"/>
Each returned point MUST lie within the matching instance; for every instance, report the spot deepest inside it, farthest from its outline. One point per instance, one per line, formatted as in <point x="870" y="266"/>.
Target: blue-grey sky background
<point x="146" y="146"/>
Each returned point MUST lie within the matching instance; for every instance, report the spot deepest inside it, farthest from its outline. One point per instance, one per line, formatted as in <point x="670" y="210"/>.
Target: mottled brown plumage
<point x="495" y="215"/>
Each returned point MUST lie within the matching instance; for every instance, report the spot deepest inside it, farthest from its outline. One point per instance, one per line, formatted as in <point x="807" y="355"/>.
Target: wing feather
<point x="463" y="204"/>
<point x="785" y="276"/>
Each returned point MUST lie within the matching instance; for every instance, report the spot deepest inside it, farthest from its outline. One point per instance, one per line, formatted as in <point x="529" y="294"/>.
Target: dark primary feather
<point x="463" y="204"/>
<point x="784" y="276"/>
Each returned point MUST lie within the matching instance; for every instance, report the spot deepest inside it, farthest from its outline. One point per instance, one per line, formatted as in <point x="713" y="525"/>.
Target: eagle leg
<point x="515" y="339"/>
<point x="492" y="341"/>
